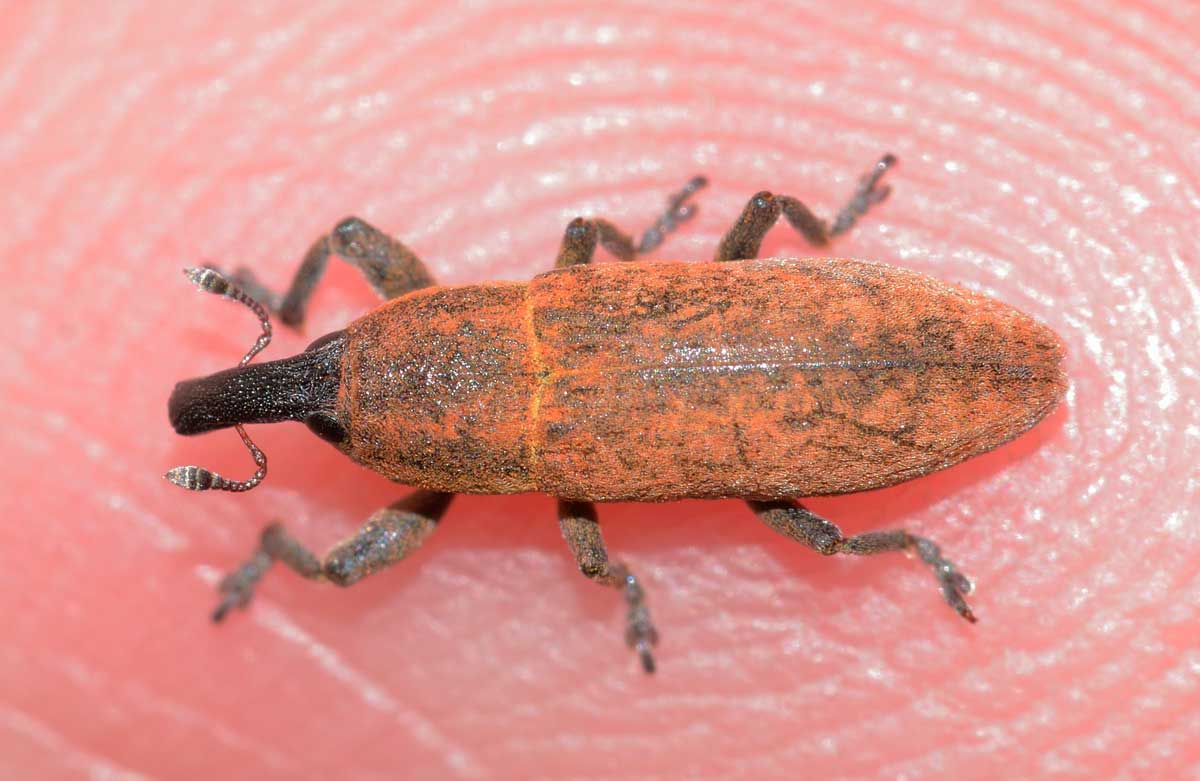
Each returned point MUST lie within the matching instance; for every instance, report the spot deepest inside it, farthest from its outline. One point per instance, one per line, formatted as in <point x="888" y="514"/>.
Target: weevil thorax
<point x="301" y="388"/>
<point x="437" y="389"/>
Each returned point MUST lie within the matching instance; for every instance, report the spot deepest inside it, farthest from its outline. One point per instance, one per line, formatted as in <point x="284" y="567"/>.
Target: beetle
<point x="763" y="380"/>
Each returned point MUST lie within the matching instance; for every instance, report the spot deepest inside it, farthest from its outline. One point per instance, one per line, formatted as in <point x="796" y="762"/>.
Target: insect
<point x="763" y="380"/>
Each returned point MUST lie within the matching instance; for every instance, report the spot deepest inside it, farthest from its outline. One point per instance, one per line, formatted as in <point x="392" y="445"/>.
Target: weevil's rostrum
<point x="764" y="380"/>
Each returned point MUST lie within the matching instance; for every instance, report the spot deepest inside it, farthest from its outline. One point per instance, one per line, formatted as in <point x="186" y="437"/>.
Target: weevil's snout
<point x="217" y="401"/>
<point x="190" y="408"/>
<point x="302" y="388"/>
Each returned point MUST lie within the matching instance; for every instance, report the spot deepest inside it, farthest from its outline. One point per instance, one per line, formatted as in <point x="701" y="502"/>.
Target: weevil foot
<point x="795" y="521"/>
<point x="237" y="587"/>
<point x="744" y="238"/>
<point x="386" y="538"/>
<point x="640" y="634"/>
<point x="868" y="193"/>
<point x="679" y="210"/>
<point x="583" y="235"/>
<point x="955" y="585"/>
<point x="581" y="530"/>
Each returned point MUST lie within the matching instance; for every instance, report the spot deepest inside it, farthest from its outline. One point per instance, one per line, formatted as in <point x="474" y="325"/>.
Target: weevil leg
<point x="391" y="267"/>
<point x="763" y="210"/>
<point x="793" y="520"/>
<point x="387" y="537"/>
<point x="582" y="235"/>
<point x="581" y="530"/>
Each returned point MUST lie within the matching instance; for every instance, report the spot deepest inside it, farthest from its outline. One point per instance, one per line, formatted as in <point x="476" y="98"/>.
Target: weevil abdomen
<point x="654" y="381"/>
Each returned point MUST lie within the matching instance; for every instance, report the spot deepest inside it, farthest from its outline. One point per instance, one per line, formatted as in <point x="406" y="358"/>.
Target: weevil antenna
<point x="196" y="478"/>
<point x="212" y="281"/>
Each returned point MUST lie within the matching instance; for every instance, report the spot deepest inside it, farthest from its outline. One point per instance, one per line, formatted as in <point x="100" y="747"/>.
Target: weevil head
<point x="302" y="388"/>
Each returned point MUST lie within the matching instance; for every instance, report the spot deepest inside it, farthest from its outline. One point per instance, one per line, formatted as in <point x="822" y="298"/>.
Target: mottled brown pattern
<point x="775" y="378"/>
<point x="654" y="381"/>
<point x="436" y="389"/>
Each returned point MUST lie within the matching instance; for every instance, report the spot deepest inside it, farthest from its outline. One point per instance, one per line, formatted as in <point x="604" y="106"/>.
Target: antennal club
<point x="197" y="478"/>
<point x="212" y="281"/>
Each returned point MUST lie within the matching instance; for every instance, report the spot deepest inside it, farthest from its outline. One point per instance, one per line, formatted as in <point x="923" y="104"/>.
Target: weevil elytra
<point x="763" y="380"/>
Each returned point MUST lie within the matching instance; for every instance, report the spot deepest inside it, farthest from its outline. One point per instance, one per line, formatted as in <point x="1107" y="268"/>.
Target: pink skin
<point x="1048" y="158"/>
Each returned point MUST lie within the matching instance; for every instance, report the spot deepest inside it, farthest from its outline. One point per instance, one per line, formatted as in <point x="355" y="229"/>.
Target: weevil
<point x="762" y="380"/>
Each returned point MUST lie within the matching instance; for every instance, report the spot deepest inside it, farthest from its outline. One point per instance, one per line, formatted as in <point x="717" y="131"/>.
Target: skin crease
<point x="1047" y="158"/>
